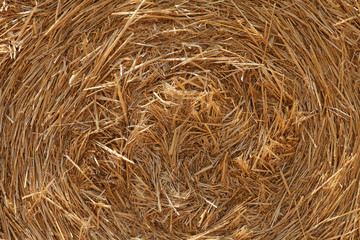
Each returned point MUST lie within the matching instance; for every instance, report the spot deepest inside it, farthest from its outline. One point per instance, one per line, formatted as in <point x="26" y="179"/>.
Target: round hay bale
<point x="152" y="119"/>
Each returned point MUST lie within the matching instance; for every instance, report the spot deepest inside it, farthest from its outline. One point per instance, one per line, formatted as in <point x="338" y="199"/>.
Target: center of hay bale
<point x="185" y="125"/>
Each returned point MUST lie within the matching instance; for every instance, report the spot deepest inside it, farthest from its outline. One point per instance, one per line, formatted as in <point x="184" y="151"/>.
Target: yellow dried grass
<point x="179" y="119"/>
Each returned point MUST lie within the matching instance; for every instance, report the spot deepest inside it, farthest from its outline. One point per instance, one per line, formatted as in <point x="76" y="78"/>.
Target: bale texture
<point x="153" y="119"/>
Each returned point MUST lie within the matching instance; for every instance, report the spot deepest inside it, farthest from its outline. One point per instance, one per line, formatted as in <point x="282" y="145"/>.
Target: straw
<point x="180" y="119"/>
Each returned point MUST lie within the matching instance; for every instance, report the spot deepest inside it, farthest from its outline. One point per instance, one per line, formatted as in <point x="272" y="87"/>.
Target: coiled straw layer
<point x="176" y="119"/>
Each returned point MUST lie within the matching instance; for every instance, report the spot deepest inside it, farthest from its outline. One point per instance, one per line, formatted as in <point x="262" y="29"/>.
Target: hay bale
<point x="179" y="119"/>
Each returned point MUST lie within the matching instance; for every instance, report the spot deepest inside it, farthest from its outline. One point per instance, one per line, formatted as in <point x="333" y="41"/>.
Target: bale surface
<point x="179" y="119"/>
